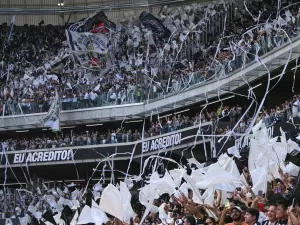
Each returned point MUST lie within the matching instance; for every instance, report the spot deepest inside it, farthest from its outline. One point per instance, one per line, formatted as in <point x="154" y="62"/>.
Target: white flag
<point x="87" y="42"/>
<point x="52" y="117"/>
<point x="12" y="24"/>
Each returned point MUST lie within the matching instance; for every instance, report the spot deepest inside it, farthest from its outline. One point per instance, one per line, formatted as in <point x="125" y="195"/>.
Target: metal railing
<point x="76" y="8"/>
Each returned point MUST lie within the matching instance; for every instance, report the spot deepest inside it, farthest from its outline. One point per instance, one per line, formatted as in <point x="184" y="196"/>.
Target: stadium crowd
<point x="120" y="135"/>
<point x="241" y="206"/>
<point x="228" y="114"/>
<point x="35" y="61"/>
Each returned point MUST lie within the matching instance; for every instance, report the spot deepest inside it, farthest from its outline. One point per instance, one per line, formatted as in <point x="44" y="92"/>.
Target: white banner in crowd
<point x="87" y="42"/>
<point x="52" y="118"/>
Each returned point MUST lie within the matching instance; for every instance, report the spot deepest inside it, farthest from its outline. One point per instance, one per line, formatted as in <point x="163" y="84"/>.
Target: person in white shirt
<point x="295" y="107"/>
<point x="93" y="97"/>
<point x="64" y="102"/>
<point x="86" y="96"/>
<point x="86" y="99"/>
<point x="154" y="90"/>
<point x="18" y="211"/>
<point x="113" y="137"/>
<point x="169" y="122"/>
<point x="271" y="216"/>
<point x="74" y="101"/>
<point x="113" y="97"/>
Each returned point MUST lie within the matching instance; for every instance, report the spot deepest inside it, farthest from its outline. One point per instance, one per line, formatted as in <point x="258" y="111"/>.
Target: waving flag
<point x="89" y="42"/>
<point x="154" y="24"/>
<point x="89" y="23"/>
<point x="52" y="117"/>
<point x="12" y="24"/>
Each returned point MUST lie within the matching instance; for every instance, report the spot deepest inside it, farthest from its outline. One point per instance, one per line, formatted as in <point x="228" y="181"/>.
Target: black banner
<point x="165" y="142"/>
<point x="11" y="221"/>
<point x="154" y="24"/>
<point x="96" y="19"/>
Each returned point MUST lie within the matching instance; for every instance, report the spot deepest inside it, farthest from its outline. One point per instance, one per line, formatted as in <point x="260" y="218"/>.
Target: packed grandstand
<point x="216" y="161"/>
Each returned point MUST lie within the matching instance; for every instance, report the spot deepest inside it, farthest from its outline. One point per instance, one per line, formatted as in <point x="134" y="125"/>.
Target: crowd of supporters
<point x="110" y="136"/>
<point x="239" y="207"/>
<point x="228" y="114"/>
<point x="35" y="61"/>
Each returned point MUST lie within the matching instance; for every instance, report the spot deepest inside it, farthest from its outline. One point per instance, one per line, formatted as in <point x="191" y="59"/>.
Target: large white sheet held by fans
<point x="117" y="202"/>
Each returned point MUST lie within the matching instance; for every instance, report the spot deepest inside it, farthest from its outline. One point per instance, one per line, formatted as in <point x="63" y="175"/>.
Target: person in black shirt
<point x="281" y="213"/>
<point x="210" y="221"/>
<point x="189" y="220"/>
<point x="251" y="216"/>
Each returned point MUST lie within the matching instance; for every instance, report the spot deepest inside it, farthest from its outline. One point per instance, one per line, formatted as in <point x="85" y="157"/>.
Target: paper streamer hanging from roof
<point x="155" y="25"/>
